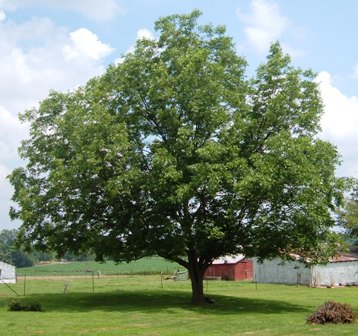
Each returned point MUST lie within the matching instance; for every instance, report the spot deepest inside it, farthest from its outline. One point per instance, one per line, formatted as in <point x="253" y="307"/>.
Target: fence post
<point x="92" y="281"/>
<point x="65" y="286"/>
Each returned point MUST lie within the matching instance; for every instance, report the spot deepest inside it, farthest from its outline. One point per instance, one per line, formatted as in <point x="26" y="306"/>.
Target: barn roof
<point x="229" y="259"/>
<point x="5" y="263"/>
<point x="344" y="257"/>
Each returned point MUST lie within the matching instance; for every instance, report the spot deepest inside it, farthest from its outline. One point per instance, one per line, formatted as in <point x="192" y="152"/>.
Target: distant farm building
<point x="340" y="271"/>
<point x="7" y="273"/>
<point x="231" y="268"/>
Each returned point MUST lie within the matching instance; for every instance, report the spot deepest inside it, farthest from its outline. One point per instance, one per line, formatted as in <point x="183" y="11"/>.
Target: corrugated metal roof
<point x="229" y="259"/>
<point x="344" y="257"/>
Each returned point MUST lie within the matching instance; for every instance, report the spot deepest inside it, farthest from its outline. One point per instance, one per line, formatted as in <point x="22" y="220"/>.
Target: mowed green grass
<point x="141" y="305"/>
<point x="149" y="265"/>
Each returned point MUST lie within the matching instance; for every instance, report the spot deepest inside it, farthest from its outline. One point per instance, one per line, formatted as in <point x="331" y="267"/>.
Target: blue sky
<point x="60" y="44"/>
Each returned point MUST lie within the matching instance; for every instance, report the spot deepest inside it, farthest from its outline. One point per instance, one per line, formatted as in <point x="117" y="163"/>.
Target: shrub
<point x="332" y="312"/>
<point x="16" y="305"/>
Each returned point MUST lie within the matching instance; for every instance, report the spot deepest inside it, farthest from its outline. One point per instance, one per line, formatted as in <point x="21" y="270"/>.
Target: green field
<point x="143" y="305"/>
<point x="149" y="265"/>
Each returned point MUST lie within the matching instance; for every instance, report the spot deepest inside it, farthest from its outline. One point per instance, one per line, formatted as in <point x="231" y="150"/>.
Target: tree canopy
<point x="348" y="216"/>
<point x="174" y="152"/>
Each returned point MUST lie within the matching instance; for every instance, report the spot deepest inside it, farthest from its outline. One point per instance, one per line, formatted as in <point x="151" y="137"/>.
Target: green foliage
<point x="17" y="305"/>
<point x="173" y="152"/>
<point x="10" y="252"/>
<point x="349" y="214"/>
<point x="40" y="256"/>
<point x="74" y="257"/>
<point x="332" y="312"/>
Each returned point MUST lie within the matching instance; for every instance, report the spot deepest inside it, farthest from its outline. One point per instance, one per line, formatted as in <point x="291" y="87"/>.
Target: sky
<point x="60" y="44"/>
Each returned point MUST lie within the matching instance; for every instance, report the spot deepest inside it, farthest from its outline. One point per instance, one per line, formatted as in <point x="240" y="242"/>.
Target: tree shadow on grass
<point x="156" y="301"/>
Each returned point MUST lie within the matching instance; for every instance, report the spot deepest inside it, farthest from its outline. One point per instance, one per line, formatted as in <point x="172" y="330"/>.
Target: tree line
<point x="12" y="253"/>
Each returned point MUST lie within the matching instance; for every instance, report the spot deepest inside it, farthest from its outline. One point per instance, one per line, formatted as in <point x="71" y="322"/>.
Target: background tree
<point x="42" y="256"/>
<point x="348" y="216"/>
<point x="10" y="253"/>
<point x="174" y="152"/>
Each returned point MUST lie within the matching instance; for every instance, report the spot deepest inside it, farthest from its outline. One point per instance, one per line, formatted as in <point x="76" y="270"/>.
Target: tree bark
<point x="196" y="273"/>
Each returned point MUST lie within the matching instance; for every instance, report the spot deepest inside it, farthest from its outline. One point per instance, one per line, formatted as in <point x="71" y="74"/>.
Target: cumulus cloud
<point x="86" y="43"/>
<point x="9" y="124"/>
<point x="10" y="132"/>
<point x="93" y="9"/>
<point x="2" y="16"/>
<point x="33" y="61"/>
<point x="341" y="112"/>
<point x="57" y="60"/>
<point x="4" y="171"/>
<point x="144" y="34"/>
<point x="355" y="71"/>
<point x="265" y="24"/>
<point x="340" y="122"/>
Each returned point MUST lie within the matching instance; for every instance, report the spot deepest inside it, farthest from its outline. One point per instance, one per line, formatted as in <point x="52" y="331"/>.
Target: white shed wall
<point x="7" y="273"/>
<point x="337" y="273"/>
<point x="273" y="271"/>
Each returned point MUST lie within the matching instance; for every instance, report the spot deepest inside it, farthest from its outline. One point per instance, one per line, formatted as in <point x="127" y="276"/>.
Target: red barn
<point x="231" y="268"/>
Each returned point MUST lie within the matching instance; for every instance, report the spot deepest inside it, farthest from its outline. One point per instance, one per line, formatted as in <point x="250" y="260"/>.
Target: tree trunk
<point x="197" y="296"/>
<point x="196" y="274"/>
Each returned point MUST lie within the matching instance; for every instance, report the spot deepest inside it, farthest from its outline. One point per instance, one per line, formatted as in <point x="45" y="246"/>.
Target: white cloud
<point x="341" y="112"/>
<point x="340" y="122"/>
<point x="28" y="73"/>
<point x="144" y="34"/>
<point x="86" y="43"/>
<point x="7" y="5"/>
<point x="355" y="71"/>
<point x="2" y="16"/>
<point x="265" y="24"/>
<point x="4" y="172"/>
<point x="10" y="132"/>
<point x="32" y="62"/>
<point x="94" y="9"/>
<point x="10" y="125"/>
<point x="293" y="52"/>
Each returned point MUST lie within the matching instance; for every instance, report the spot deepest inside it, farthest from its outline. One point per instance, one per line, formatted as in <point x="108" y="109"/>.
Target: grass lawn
<point x="139" y="305"/>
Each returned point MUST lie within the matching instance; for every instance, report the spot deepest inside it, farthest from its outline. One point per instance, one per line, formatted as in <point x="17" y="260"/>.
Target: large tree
<point x="174" y="152"/>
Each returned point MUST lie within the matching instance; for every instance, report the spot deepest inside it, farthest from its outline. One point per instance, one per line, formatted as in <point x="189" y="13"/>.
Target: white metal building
<point x="342" y="270"/>
<point x="7" y="273"/>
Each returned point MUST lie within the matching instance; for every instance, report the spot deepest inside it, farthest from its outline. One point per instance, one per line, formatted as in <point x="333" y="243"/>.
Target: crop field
<point x="149" y="265"/>
<point x="148" y="305"/>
